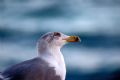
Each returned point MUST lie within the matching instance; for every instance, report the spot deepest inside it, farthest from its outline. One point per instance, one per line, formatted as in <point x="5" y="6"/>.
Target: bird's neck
<point x="52" y="52"/>
<point x="55" y="59"/>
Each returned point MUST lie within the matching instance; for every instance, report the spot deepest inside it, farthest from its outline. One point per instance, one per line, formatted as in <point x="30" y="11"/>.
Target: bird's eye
<point x="57" y="34"/>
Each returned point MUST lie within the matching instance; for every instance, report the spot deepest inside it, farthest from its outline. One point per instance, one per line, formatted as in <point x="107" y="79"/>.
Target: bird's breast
<point x="58" y="64"/>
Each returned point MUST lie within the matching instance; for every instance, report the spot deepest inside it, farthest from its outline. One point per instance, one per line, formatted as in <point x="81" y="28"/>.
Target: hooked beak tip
<point x="73" y="39"/>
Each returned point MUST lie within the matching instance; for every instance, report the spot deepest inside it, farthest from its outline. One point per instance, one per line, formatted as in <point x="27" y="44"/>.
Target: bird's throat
<point x="51" y="52"/>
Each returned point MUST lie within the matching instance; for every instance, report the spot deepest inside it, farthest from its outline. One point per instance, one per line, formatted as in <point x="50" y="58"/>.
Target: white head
<point x="54" y="39"/>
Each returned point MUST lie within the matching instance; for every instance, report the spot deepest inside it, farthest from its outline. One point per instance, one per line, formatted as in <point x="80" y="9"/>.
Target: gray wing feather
<point x="34" y="69"/>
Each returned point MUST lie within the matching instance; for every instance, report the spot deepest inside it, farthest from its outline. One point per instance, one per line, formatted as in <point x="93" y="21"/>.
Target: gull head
<point x="55" y="39"/>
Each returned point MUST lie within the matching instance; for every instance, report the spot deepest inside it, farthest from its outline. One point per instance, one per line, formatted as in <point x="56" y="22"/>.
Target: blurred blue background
<point x="97" y="22"/>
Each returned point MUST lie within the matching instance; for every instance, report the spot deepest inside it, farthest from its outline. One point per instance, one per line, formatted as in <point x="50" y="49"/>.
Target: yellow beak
<point x="72" y="39"/>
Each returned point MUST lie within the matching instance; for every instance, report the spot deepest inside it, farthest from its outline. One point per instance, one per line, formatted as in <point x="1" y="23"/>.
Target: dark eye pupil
<point x="57" y="34"/>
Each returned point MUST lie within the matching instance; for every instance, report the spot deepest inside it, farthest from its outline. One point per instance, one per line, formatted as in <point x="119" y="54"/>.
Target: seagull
<point x="48" y="65"/>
